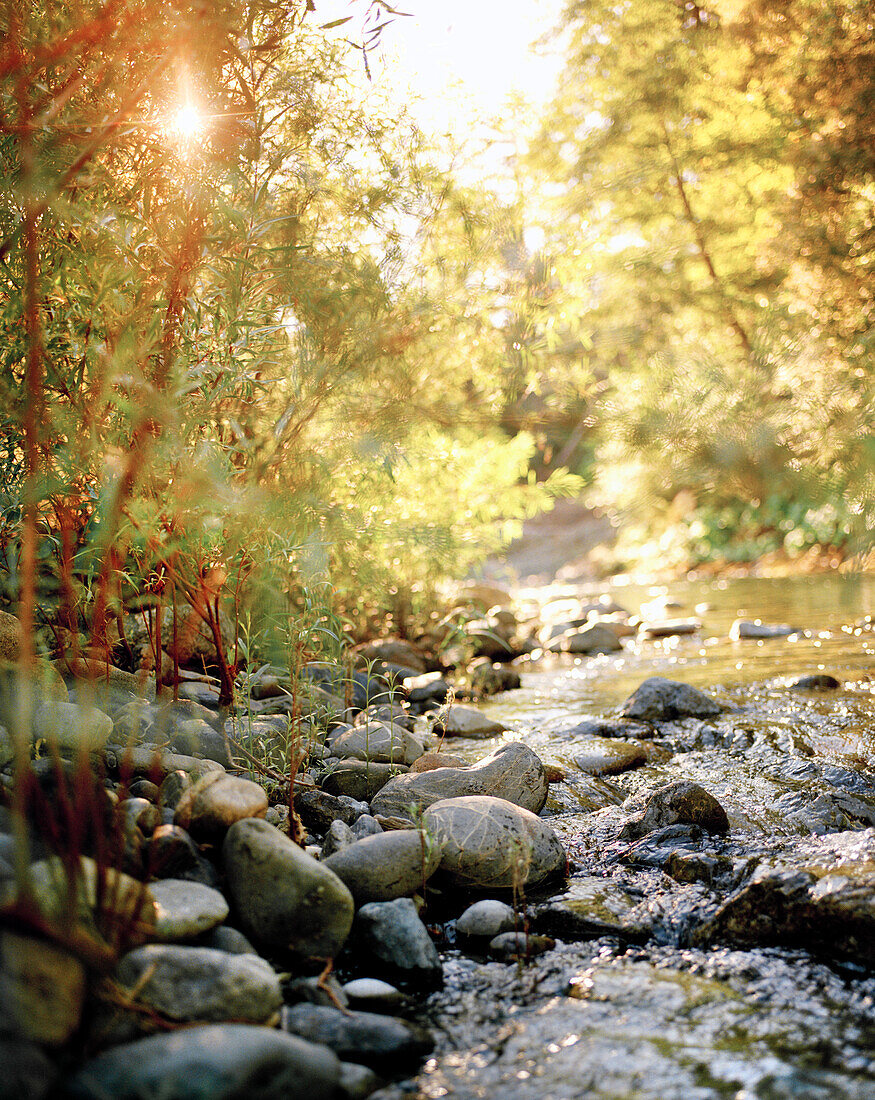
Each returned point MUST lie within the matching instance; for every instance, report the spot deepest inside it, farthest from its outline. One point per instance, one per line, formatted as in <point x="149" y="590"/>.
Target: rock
<point x="431" y="760"/>
<point x="743" y="628"/>
<point x="200" y="983"/>
<point x="69" y="727"/>
<point x="486" y="919"/>
<point x="42" y="989"/>
<point x="154" y="764"/>
<point x="818" y="681"/>
<point x="396" y="651"/>
<point x="374" y="995"/>
<point x="455" y="721"/>
<point x="519" y="945"/>
<point x="366" y="826"/>
<point x="140" y="813"/>
<point x="107" y="681"/>
<point x="284" y="898"/>
<point x="358" y="779"/>
<point x="173" y="787"/>
<point x="490" y="679"/>
<point x="430" y="687"/>
<point x="315" y="991"/>
<point x="607" y="727"/>
<point x="491" y="638"/>
<point x="28" y="1072"/>
<point x="172" y="854"/>
<point x="357" y="1082"/>
<point x="591" y="640"/>
<point x="215" y="1062"/>
<point x="215" y="802"/>
<point x="660" y="699"/>
<point x="183" y="910"/>
<point x="394" y="713"/>
<point x="482" y="594"/>
<point x="822" y="898"/>
<point x="362" y="688"/>
<point x="513" y="772"/>
<point x="145" y="788"/>
<point x="338" y="837"/>
<point x="387" y="866"/>
<point x="195" y="737"/>
<point x="229" y="940"/>
<point x="669" y="628"/>
<point x="678" y="803"/>
<point x="603" y="756"/>
<point x="491" y="843"/>
<point x="393" y="934"/>
<point x="10" y="637"/>
<point x="319" y="809"/>
<point x="383" y="1042"/>
<point x="384" y="744"/>
<point x="592" y="907"/>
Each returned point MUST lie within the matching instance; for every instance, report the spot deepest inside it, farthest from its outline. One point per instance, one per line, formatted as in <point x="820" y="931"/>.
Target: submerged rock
<point x="604" y="756"/>
<point x="660" y="699"/>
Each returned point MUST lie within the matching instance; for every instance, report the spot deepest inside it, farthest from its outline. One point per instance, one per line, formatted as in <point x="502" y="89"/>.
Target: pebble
<point x="215" y="1062"/>
<point x="519" y="945"/>
<point x="184" y="910"/>
<point x="337" y="837"/>
<point x="200" y="983"/>
<point x="374" y="995"/>
<point x="173" y="854"/>
<point x="215" y="802"/>
<point x="366" y="826"/>
<point x="318" y="809"/>
<point x="285" y="898"/>
<point x="223" y="938"/>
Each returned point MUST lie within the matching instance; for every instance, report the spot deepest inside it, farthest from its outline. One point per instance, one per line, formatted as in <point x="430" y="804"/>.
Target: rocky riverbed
<point x="629" y="850"/>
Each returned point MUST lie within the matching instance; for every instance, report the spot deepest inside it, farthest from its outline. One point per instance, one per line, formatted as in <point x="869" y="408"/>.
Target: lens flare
<point x="187" y="122"/>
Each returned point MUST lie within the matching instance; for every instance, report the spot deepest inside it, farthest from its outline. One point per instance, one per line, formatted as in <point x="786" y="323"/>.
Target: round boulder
<point x="215" y="802"/>
<point x="386" y="866"/>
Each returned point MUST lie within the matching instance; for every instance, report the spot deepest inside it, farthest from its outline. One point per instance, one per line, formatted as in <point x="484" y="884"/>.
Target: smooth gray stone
<point x="486" y="918"/>
<point x="223" y="938"/>
<point x="359" y="779"/>
<point x="284" y="898"/>
<point x="460" y="721"/>
<point x="393" y="933"/>
<point x="513" y="772"/>
<point x="745" y="628"/>
<point x="383" y="744"/>
<point x="200" y="983"/>
<point x="374" y="995"/>
<point x="375" y="1040"/>
<point x="357" y="1082"/>
<point x="315" y="991"/>
<point x="338" y="837"/>
<point x="184" y="910"/>
<point x="387" y="866"/>
<point x="218" y="1062"/>
<point x="660" y="699"/>
<point x="318" y="809"/>
<point x="366" y="825"/>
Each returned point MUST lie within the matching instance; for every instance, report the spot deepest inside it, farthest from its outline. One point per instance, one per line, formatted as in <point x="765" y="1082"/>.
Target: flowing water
<point x="639" y="1011"/>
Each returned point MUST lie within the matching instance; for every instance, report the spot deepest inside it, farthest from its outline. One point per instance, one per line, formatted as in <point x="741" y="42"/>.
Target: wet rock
<point x="284" y="898"/>
<point x="519" y="945"/>
<point x="592" y="907"/>
<point x="318" y="809"/>
<point x="491" y="843"/>
<point x="42" y="990"/>
<point x="387" y="866"/>
<point x="215" y="1062"/>
<point x="490" y="679"/>
<point x="393" y="934"/>
<point x="745" y="628"/>
<point x="604" y="756"/>
<point x="382" y="1042"/>
<point x="374" y="995"/>
<point x="337" y="837"/>
<point x="669" y="628"/>
<point x="172" y="854"/>
<point x="487" y="918"/>
<point x="660" y="699"/>
<point x="821" y="898"/>
<point x="215" y="802"/>
<point x="457" y="721"/>
<point x="678" y="803"/>
<point x="69" y="727"/>
<point x="384" y="744"/>
<point x="818" y="681"/>
<point x="606" y="727"/>
<point x="184" y="910"/>
<point x="587" y="793"/>
<point x="359" y="779"/>
<point x="589" y="641"/>
<point x="513" y="772"/>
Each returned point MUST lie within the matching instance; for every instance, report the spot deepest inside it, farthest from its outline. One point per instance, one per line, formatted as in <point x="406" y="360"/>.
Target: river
<point x="637" y="999"/>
